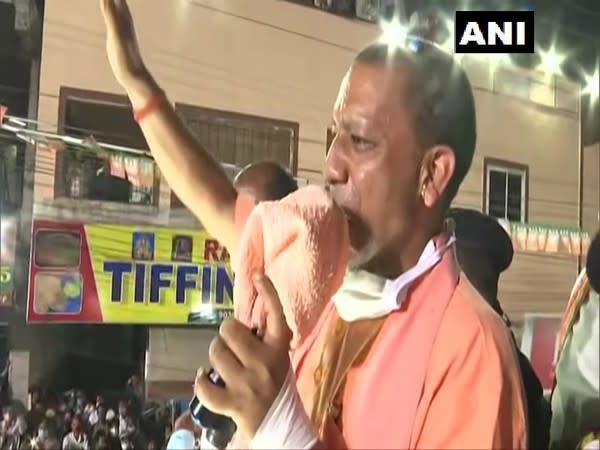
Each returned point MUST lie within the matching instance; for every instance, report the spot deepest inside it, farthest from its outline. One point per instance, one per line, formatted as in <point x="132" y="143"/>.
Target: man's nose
<point x="336" y="165"/>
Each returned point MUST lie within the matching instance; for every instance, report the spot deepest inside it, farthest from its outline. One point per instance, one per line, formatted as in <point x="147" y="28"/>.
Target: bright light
<point x="496" y="59"/>
<point x="393" y="33"/>
<point x="448" y="45"/>
<point x="551" y="61"/>
<point x="592" y="85"/>
<point x="3" y="229"/>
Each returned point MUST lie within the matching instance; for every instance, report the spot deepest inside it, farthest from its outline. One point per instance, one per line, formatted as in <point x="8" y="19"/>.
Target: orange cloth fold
<point x="301" y="243"/>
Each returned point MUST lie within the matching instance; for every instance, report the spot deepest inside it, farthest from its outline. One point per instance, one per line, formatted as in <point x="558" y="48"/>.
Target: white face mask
<point x="367" y="296"/>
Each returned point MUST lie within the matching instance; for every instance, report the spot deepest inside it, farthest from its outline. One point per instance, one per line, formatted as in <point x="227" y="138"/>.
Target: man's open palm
<point x="121" y="44"/>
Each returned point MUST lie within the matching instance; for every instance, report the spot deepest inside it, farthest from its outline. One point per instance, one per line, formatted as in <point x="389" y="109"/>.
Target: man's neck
<point x="399" y="258"/>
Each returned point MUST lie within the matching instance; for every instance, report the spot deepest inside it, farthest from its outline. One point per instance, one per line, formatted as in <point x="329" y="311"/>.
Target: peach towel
<point x="301" y="243"/>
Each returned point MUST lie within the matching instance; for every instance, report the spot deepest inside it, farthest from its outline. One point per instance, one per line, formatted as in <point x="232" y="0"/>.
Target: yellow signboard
<point x="99" y="273"/>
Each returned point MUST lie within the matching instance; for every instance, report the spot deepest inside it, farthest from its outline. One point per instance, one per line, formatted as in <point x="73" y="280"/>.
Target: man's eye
<point x="361" y="143"/>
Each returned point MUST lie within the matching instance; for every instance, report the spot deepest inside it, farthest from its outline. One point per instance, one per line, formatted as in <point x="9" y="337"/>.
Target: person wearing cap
<point x="484" y="251"/>
<point x="576" y="394"/>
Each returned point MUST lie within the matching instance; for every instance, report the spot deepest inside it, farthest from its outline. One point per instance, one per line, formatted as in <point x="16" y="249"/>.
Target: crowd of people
<point x="74" y="421"/>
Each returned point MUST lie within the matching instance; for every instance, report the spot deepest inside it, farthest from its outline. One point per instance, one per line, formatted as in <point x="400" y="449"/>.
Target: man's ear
<point x="436" y="172"/>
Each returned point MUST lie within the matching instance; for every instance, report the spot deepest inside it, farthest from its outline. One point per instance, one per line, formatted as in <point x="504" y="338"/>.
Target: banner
<point x="540" y="344"/>
<point x="543" y="239"/>
<point x="8" y="242"/>
<point x="97" y="273"/>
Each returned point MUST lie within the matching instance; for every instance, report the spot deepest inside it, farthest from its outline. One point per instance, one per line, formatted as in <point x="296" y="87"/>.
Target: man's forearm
<point x="198" y="180"/>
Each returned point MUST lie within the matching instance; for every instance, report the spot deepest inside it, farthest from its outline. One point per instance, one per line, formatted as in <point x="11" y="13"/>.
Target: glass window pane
<point x="515" y="197"/>
<point x="57" y="249"/>
<point x="497" y="194"/>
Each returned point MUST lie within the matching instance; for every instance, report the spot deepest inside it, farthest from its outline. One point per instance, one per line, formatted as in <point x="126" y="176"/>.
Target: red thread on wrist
<point x="152" y="105"/>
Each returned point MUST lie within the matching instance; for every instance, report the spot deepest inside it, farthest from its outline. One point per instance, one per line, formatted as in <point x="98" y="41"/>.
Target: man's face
<point x="373" y="164"/>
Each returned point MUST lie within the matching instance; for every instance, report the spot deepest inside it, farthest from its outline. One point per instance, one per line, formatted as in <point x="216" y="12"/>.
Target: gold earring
<point x="423" y="188"/>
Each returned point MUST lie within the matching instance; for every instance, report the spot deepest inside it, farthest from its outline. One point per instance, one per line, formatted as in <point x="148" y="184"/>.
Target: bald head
<point x="439" y="96"/>
<point x="265" y="181"/>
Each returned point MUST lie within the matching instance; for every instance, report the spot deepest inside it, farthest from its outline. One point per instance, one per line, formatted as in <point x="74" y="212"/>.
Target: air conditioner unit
<point x="375" y="10"/>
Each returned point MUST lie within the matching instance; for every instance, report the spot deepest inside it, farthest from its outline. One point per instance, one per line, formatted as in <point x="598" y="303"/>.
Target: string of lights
<point x="23" y="130"/>
<point x="396" y="34"/>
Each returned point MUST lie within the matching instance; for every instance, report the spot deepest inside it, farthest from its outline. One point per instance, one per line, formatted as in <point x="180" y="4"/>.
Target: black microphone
<point x="218" y="429"/>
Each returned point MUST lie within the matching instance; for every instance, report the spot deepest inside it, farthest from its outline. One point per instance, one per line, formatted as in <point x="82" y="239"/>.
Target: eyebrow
<point x="348" y="123"/>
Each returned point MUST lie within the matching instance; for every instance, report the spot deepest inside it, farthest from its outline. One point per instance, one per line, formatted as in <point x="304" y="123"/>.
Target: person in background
<point x="112" y="423"/>
<point x="52" y="443"/>
<point x="79" y="403"/>
<point x="92" y="415"/>
<point x="122" y="417"/>
<point x="576" y="394"/>
<point x="76" y="439"/>
<point x="15" y="437"/>
<point x="43" y="436"/>
<point x="8" y="420"/>
<point x="36" y="414"/>
<point x="592" y="265"/>
<point x="484" y="251"/>
<point x="168" y="432"/>
<point x="100" y="425"/>
<point x="131" y="437"/>
<point x="184" y="435"/>
<point x="64" y="427"/>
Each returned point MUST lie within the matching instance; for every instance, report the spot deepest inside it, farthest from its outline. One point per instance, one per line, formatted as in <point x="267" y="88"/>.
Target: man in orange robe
<point x="408" y="355"/>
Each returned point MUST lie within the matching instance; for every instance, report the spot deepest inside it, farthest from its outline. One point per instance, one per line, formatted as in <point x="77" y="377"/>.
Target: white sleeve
<point x="286" y="425"/>
<point x="181" y="440"/>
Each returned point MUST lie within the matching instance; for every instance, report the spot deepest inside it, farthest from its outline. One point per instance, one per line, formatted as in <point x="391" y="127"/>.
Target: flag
<point x="146" y="173"/>
<point x="117" y="166"/>
<point x="132" y="169"/>
<point x="3" y="111"/>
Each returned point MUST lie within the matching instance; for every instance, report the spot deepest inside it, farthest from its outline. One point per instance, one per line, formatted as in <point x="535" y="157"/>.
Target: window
<point x="505" y="190"/>
<point x="240" y="139"/>
<point x="83" y="175"/>
<point x="369" y="10"/>
<point x="12" y="160"/>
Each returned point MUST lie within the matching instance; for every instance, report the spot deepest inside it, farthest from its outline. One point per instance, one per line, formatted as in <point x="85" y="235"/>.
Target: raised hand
<point x="121" y="44"/>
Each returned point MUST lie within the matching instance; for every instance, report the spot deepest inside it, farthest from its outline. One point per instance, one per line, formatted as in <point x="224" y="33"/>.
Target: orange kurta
<point x="472" y="395"/>
<point x="441" y="373"/>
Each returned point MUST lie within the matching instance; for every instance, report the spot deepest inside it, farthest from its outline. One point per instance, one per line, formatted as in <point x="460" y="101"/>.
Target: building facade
<point x="263" y="75"/>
